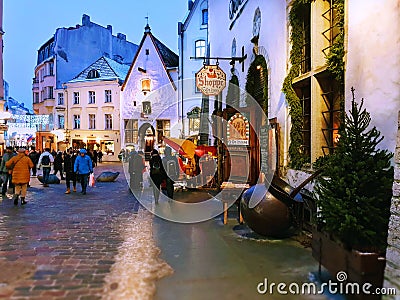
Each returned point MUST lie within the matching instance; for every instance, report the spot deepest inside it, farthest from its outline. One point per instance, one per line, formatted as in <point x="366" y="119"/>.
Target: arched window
<point x="194" y="119"/>
<point x="200" y="48"/>
<point x="93" y="74"/>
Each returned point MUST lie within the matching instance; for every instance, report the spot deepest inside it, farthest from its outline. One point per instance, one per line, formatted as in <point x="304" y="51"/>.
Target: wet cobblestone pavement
<point x="62" y="246"/>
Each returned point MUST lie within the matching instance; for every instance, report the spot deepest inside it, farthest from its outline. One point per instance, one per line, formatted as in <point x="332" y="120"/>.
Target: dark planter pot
<point x="360" y="267"/>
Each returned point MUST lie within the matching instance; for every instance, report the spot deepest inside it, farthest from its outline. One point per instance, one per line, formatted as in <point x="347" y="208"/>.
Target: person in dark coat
<point x="135" y="168"/>
<point x="34" y="156"/>
<point x="171" y="166"/>
<point x="100" y="156"/>
<point x="94" y="161"/>
<point x="69" y="161"/>
<point x="58" y="164"/>
<point x="157" y="173"/>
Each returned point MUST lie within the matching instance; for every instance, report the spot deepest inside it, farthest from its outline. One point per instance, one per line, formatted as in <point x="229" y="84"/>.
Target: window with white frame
<point x="107" y="94"/>
<point x="92" y="97"/>
<point x="60" y="98"/>
<point x="77" y="122"/>
<point x="200" y="48"/>
<point x="92" y="121"/>
<point x="108" y="121"/>
<point x="61" y="122"/>
<point x="131" y="130"/>
<point x="76" y="97"/>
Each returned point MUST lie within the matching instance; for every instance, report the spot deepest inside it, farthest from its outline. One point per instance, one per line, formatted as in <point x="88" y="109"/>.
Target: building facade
<point x="192" y="46"/>
<point x="63" y="56"/>
<point x="149" y="104"/>
<point x="92" y="109"/>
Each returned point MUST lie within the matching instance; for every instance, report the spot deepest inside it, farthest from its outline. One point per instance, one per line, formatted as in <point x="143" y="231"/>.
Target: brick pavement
<point x="62" y="246"/>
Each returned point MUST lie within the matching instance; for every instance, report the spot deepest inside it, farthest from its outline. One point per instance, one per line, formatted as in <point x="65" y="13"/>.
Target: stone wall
<point x="392" y="272"/>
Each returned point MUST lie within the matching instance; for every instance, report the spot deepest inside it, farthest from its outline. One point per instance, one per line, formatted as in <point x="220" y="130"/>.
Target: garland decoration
<point x="257" y="82"/>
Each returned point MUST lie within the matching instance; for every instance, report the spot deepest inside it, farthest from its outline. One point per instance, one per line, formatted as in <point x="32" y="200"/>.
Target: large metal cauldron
<point x="270" y="217"/>
<point x="268" y="211"/>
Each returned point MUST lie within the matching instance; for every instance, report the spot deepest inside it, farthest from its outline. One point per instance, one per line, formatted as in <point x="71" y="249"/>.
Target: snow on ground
<point x="137" y="266"/>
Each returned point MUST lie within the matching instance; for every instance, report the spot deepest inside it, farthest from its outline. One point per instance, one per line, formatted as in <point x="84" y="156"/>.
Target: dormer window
<point x="93" y="74"/>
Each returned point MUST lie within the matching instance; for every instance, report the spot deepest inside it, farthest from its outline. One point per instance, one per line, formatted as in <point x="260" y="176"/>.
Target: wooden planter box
<point x="360" y="267"/>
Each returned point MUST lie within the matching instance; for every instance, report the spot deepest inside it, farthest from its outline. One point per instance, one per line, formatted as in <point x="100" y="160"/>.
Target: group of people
<point x="163" y="171"/>
<point x="16" y="166"/>
<point x="77" y="165"/>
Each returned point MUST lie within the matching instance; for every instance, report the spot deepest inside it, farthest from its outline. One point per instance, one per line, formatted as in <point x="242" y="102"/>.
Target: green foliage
<point x="233" y="94"/>
<point x="297" y="158"/>
<point x="335" y="65"/>
<point x="354" y="193"/>
<point x="335" y="58"/>
<point x="257" y="82"/>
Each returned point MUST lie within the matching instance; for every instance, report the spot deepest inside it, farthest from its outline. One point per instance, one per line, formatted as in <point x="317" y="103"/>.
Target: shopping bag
<point x="91" y="180"/>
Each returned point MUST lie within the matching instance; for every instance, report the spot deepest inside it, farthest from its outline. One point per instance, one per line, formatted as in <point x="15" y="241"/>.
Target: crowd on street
<point x="18" y="165"/>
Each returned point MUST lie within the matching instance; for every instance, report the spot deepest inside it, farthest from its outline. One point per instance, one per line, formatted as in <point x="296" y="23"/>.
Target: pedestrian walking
<point x="135" y="169"/>
<point x="95" y="156"/>
<point x="100" y="156"/>
<point x="69" y="161"/>
<point x="58" y="164"/>
<point x="21" y="166"/>
<point x="83" y="167"/>
<point x="7" y="176"/>
<point x="34" y="156"/>
<point x="157" y="173"/>
<point x="45" y="161"/>
<point x="171" y="168"/>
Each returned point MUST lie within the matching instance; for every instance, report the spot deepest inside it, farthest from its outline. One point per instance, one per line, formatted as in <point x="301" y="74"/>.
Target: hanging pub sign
<point x="210" y="80"/>
<point x="238" y="131"/>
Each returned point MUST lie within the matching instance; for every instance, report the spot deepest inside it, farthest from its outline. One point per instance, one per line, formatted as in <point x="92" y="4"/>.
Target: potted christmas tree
<point x="353" y="196"/>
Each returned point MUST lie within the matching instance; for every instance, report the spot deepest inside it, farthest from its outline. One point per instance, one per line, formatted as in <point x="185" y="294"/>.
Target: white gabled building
<point x="92" y="114"/>
<point x="149" y="105"/>
<point x="192" y="42"/>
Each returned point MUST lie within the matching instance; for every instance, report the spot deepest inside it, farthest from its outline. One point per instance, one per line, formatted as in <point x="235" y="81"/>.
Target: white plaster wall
<point x="163" y="95"/>
<point x="373" y="62"/>
<point x="194" y="30"/>
<point x="272" y="39"/>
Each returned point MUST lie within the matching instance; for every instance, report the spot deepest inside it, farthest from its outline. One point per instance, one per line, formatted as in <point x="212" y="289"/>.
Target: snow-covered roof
<point x="108" y="69"/>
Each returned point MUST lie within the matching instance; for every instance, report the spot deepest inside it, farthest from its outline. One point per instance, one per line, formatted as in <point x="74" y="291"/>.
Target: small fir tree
<point x="354" y="193"/>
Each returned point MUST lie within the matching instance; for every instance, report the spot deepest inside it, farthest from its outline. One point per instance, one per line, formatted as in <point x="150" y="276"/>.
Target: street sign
<point x="210" y="80"/>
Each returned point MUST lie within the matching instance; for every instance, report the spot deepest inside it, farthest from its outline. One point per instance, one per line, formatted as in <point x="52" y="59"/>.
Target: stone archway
<point x="147" y="137"/>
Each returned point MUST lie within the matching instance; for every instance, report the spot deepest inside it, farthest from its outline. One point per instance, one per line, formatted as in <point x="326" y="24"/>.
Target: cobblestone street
<point x="62" y="246"/>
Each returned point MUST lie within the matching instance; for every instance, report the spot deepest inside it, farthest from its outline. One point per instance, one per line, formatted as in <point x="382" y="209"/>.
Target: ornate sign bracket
<point x="233" y="59"/>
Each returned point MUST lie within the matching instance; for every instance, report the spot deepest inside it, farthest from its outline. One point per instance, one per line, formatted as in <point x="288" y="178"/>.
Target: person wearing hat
<point x="7" y="178"/>
<point x="83" y="167"/>
<point x="21" y="166"/>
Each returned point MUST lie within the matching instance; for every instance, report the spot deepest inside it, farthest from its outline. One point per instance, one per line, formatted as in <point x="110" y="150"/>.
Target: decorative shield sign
<point x="210" y="80"/>
<point x="238" y="130"/>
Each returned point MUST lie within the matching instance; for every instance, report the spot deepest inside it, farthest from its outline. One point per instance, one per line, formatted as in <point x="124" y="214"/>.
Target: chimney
<point x="121" y="36"/>
<point x="85" y="20"/>
<point x="109" y="27"/>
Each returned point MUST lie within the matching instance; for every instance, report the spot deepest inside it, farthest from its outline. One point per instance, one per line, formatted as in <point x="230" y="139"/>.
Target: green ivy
<point x="335" y="65"/>
<point x="334" y="60"/>
<point x="256" y="85"/>
<point x="297" y="158"/>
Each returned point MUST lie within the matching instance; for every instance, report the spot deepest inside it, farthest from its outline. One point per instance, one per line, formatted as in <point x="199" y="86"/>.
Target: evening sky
<point x="28" y="24"/>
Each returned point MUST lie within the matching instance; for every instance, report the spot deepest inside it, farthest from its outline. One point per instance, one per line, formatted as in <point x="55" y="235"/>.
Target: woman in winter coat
<point x="58" y="164"/>
<point x="21" y="166"/>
